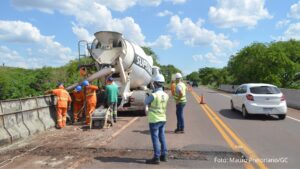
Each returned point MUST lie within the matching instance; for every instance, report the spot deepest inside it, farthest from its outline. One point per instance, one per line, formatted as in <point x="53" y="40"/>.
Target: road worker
<point x="78" y="97"/>
<point x="111" y="93"/>
<point x="157" y="118"/>
<point x="62" y="105"/>
<point x="173" y="87"/>
<point x="91" y="100"/>
<point x="180" y="99"/>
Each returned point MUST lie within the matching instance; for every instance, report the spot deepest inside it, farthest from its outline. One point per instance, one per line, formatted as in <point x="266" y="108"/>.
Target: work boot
<point x="153" y="161"/>
<point x="163" y="158"/>
<point x="178" y="131"/>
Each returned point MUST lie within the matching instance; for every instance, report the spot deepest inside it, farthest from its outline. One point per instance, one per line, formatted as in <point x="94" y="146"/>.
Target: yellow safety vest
<point x="176" y="96"/>
<point x="158" y="107"/>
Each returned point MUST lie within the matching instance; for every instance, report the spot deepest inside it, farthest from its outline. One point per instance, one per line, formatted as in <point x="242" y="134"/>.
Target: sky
<point x="189" y="34"/>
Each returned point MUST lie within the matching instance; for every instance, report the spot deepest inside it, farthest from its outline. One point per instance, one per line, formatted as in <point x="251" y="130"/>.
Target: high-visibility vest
<point x="78" y="97"/>
<point x="176" y="96"/>
<point x="91" y="94"/>
<point x="158" y="107"/>
<point x="63" y="98"/>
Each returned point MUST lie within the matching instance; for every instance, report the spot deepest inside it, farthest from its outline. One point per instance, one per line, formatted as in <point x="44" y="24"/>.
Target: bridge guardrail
<point x="292" y="95"/>
<point x="21" y="118"/>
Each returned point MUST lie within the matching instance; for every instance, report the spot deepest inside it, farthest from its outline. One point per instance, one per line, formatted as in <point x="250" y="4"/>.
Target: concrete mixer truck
<point x="128" y="64"/>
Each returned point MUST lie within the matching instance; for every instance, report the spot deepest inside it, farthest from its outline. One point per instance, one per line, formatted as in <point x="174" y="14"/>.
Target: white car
<point x="259" y="98"/>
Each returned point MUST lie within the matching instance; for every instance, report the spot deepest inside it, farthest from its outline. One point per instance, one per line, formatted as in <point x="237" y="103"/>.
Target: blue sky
<point x="189" y="34"/>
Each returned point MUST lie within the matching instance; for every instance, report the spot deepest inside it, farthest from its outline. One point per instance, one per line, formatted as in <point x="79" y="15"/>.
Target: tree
<point x="194" y="76"/>
<point x="266" y="63"/>
<point x="151" y="53"/>
<point x="167" y="71"/>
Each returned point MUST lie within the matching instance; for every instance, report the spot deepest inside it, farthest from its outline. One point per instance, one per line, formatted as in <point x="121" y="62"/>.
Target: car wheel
<point x="231" y="105"/>
<point x="244" y="112"/>
<point x="281" y="116"/>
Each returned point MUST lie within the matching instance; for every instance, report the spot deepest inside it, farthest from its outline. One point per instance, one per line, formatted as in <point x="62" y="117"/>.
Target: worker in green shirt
<point x="111" y="93"/>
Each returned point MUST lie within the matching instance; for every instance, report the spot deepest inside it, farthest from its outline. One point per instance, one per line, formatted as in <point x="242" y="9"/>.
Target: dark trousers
<point x="179" y="115"/>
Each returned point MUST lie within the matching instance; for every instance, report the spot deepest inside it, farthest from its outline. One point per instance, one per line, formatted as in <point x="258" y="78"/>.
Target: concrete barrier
<point x="228" y="88"/>
<point x="24" y="117"/>
<point x="13" y="123"/>
<point x="4" y="135"/>
<point x="46" y="110"/>
<point x="292" y="95"/>
<point x="30" y="115"/>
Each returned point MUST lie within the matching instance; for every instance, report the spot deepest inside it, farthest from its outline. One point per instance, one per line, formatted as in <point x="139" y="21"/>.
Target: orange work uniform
<point x="91" y="101"/>
<point x="173" y="88"/>
<point x="63" y="99"/>
<point x="77" y="104"/>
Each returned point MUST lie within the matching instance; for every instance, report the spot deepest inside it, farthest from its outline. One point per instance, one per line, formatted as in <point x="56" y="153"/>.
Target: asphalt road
<point x="215" y="137"/>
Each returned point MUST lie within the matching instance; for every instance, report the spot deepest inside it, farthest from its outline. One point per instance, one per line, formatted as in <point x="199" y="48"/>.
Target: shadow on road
<point x="147" y="132"/>
<point x="131" y="114"/>
<point x="228" y="113"/>
<point x="120" y="160"/>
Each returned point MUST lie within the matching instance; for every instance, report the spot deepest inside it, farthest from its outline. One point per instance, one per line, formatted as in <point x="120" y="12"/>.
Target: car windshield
<point x="264" y="90"/>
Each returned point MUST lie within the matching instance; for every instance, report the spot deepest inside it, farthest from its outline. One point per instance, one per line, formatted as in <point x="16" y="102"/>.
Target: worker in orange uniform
<point x="91" y="100"/>
<point x="62" y="105"/>
<point x="173" y="87"/>
<point x="77" y="102"/>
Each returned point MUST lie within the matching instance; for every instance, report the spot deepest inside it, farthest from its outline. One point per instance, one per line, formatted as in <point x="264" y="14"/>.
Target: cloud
<point x="282" y="23"/>
<point x="11" y="58"/>
<point x="163" y="42"/>
<point x="18" y="31"/>
<point x="177" y="1"/>
<point x="46" y="49"/>
<point x="210" y="57"/>
<point x="165" y="13"/>
<point x="295" y="11"/>
<point x="238" y="13"/>
<point x="150" y="2"/>
<point x="292" y="32"/>
<point x="82" y="33"/>
<point x="90" y="15"/>
<point x="193" y="34"/>
<point x="118" y="5"/>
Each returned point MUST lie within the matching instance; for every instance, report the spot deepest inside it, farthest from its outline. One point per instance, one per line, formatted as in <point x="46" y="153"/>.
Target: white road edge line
<point x="225" y="95"/>
<point x="293" y="118"/>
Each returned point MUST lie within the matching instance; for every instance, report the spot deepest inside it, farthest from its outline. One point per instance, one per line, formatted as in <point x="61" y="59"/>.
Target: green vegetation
<point x="20" y="83"/>
<point x="276" y="63"/>
<point x="166" y="70"/>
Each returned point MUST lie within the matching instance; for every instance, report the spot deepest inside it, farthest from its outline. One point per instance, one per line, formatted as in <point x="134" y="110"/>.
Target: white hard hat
<point x="159" y="78"/>
<point x="178" y="75"/>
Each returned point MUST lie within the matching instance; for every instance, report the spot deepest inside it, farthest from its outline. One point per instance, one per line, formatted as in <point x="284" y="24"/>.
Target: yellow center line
<point x="252" y="155"/>
<point x="219" y="128"/>
<point x="215" y="119"/>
